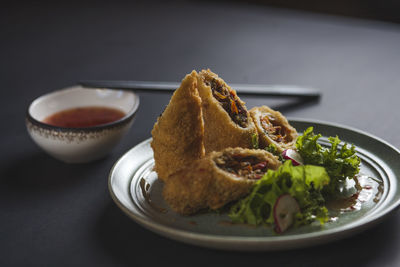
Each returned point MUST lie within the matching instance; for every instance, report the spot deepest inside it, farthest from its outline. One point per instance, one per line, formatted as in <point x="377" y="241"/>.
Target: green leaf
<point x="271" y="148"/>
<point x="304" y="183"/>
<point x="339" y="163"/>
<point x="254" y="141"/>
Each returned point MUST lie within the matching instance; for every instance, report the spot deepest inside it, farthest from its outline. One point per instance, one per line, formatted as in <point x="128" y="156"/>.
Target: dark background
<point x="56" y="214"/>
<point x="387" y="10"/>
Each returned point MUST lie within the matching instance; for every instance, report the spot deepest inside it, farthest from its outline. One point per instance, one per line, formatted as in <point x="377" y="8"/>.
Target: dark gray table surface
<point x="56" y="214"/>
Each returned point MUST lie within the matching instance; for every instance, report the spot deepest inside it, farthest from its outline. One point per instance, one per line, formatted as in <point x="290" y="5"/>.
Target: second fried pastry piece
<point x="179" y="132"/>
<point x="273" y="128"/>
<point x="226" y="119"/>
<point x="217" y="179"/>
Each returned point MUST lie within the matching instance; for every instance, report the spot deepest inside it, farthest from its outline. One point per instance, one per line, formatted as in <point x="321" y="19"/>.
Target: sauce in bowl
<point x="82" y="117"/>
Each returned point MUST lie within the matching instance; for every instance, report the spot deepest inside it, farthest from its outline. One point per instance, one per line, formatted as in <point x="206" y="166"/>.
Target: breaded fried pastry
<point x="217" y="179"/>
<point x="273" y="128"/>
<point x="178" y="133"/>
<point x="227" y="123"/>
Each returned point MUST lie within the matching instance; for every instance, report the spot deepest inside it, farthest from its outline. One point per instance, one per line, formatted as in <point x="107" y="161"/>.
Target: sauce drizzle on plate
<point x="360" y="189"/>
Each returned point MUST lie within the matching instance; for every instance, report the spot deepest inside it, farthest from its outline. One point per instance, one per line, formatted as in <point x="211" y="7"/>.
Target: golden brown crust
<point x="264" y="138"/>
<point x="186" y="191"/>
<point x="204" y="185"/>
<point x="178" y="133"/>
<point x="220" y="130"/>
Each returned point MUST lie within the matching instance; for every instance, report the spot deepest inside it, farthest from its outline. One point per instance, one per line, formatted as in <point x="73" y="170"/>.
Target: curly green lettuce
<point x="271" y="148"/>
<point x="340" y="163"/>
<point x="304" y="183"/>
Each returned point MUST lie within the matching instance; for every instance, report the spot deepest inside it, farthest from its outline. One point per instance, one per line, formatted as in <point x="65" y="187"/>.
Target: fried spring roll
<point x="178" y="133"/>
<point x="227" y="123"/>
<point x="273" y="128"/>
<point x="217" y="179"/>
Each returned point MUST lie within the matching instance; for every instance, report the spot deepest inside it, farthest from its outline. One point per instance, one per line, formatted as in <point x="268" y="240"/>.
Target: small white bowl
<point x="79" y="145"/>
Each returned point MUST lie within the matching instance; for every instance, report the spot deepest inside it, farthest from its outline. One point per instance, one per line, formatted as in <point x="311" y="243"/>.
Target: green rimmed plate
<point x="136" y="190"/>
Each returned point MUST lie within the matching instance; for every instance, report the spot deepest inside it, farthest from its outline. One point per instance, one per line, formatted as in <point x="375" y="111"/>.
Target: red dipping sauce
<point x="84" y="117"/>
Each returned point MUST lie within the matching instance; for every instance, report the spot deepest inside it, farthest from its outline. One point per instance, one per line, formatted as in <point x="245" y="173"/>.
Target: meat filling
<point x="229" y="101"/>
<point x="273" y="129"/>
<point x="248" y="167"/>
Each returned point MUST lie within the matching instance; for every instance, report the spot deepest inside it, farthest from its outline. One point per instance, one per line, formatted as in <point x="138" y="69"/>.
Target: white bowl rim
<point x="127" y="118"/>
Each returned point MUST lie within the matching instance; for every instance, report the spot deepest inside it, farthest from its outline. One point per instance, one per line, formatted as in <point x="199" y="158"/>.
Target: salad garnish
<point x="340" y="163"/>
<point x="296" y="195"/>
<point x="304" y="183"/>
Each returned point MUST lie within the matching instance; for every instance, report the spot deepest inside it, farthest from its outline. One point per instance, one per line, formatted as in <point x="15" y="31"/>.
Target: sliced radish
<point x="285" y="209"/>
<point x="294" y="156"/>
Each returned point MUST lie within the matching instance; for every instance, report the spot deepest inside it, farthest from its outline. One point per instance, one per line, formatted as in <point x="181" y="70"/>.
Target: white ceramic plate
<point x="136" y="190"/>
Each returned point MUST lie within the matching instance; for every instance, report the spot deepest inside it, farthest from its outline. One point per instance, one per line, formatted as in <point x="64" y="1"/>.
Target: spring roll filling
<point x="229" y="101"/>
<point x="248" y="167"/>
<point x="274" y="129"/>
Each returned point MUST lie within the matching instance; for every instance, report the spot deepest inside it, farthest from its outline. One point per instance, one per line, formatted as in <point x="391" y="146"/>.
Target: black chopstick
<point x="241" y="89"/>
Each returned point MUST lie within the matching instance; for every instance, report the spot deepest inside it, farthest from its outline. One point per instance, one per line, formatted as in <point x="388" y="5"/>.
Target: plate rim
<point x="248" y="242"/>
